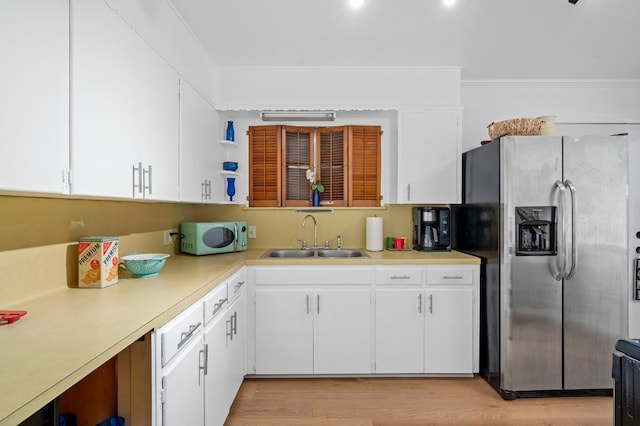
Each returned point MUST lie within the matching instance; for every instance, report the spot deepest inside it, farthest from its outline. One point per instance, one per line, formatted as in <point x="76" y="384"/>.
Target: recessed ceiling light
<point x="356" y="4"/>
<point x="449" y="3"/>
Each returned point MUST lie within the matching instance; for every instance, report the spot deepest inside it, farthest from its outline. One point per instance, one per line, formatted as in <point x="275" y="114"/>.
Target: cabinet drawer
<point x="214" y="302"/>
<point x="179" y="331"/>
<point x="320" y="276"/>
<point x="399" y="276"/>
<point x="236" y="285"/>
<point x="449" y="276"/>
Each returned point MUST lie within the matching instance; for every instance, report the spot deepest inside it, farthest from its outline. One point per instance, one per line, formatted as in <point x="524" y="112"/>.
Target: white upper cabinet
<point x="34" y="105"/>
<point x="124" y="110"/>
<point x="200" y="180"/>
<point x="159" y="112"/>
<point x="429" y="156"/>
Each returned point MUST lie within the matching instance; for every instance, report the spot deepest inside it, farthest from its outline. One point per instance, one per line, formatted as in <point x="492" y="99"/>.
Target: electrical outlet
<point x="168" y="239"/>
<point x="252" y="232"/>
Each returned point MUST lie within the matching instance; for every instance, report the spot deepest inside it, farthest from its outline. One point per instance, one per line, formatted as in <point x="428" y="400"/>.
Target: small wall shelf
<point x="230" y="144"/>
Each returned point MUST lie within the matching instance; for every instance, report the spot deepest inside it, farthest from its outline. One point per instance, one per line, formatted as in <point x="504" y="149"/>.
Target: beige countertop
<point x="68" y="333"/>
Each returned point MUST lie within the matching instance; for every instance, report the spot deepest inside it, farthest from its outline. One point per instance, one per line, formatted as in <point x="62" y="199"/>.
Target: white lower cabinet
<point x="179" y="370"/>
<point x="224" y="348"/>
<point x="199" y="358"/>
<point x="322" y="320"/>
<point x="426" y="320"/>
<point x="448" y="338"/>
<point x="312" y="320"/>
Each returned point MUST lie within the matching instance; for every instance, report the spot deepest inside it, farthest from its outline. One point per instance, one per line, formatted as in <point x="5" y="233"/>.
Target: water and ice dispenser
<point x="536" y="231"/>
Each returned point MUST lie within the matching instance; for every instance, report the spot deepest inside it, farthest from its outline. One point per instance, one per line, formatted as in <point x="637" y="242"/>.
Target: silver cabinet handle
<point x="400" y="277"/>
<point x="420" y="303"/>
<point x="205" y="359"/>
<point x="229" y="325"/>
<point x="431" y="303"/>
<point x="186" y="335"/>
<point x="308" y="312"/>
<point x="234" y="324"/>
<point x="452" y="277"/>
<point x="408" y="192"/>
<point x="318" y="301"/>
<point x="146" y="183"/>
<point x="238" y="285"/>
<point x="139" y="184"/>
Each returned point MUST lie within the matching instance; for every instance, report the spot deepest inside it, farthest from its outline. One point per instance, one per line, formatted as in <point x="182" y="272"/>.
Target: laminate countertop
<point x="68" y="333"/>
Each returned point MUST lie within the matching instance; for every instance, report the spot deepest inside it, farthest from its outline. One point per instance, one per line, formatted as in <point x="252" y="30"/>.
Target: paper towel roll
<point x="374" y="234"/>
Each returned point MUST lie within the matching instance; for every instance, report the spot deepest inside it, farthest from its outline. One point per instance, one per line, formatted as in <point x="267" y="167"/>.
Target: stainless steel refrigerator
<point x="548" y="217"/>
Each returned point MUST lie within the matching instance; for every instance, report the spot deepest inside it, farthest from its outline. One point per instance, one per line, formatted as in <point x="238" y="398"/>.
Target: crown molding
<point x="551" y="84"/>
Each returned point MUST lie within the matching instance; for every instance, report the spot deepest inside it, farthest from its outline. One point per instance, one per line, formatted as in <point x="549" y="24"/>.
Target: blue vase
<point x="230" y="132"/>
<point x="315" y="200"/>
<point x="231" y="187"/>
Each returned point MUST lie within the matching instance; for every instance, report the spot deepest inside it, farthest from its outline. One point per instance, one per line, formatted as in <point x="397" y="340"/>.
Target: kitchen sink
<point x="289" y="253"/>
<point x="341" y="253"/>
<point x="314" y="253"/>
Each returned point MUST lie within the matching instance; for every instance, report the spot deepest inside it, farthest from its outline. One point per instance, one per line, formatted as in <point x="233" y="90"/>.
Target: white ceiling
<point x="490" y="39"/>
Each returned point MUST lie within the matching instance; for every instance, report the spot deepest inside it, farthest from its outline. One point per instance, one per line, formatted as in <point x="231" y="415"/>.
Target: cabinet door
<point x="104" y="94"/>
<point x="198" y="145"/>
<point x="342" y="331"/>
<point x="449" y="331"/>
<point x="399" y="330"/>
<point x="158" y="127"/>
<point x="34" y="82"/>
<point x="236" y="367"/>
<point x="182" y="388"/>
<point x="429" y="144"/>
<point x="284" y="333"/>
<point x="218" y="360"/>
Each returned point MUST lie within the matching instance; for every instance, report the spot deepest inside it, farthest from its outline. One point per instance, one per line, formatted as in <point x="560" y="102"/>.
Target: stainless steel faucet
<point x="315" y="229"/>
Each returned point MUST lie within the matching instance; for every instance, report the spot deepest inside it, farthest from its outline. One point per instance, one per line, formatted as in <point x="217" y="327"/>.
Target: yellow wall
<point x="37" y="221"/>
<point x="282" y="227"/>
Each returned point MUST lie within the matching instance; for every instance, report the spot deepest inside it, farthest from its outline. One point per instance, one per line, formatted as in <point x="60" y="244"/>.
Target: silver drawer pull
<point x="400" y="277"/>
<point x="218" y="306"/>
<point x="238" y="285"/>
<point x="452" y="277"/>
<point x="186" y="335"/>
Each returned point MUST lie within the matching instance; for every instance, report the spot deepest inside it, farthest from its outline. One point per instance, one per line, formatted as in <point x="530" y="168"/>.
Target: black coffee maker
<point x="431" y="228"/>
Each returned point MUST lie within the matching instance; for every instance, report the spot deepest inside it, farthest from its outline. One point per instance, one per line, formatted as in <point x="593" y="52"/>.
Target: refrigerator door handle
<point x="574" y="254"/>
<point x="562" y="273"/>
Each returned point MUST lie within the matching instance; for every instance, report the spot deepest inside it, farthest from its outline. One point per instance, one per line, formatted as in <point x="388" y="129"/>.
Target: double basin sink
<point x="314" y="253"/>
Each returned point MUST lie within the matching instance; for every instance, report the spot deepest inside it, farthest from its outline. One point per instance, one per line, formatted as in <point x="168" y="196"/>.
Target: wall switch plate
<point x="252" y="232"/>
<point x="168" y="240"/>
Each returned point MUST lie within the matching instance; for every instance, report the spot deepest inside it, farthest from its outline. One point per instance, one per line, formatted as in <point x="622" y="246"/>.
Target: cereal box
<point x="97" y="262"/>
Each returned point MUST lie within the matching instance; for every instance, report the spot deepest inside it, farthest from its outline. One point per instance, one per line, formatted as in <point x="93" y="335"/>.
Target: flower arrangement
<point x="311" y="177"/>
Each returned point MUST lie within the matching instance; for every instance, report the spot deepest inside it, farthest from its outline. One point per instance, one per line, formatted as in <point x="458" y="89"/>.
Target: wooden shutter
<point x="297" y="152"/>
<point x="364" y="166"/>
<point x="264" y="166"/>
<point x="332" y="165"/>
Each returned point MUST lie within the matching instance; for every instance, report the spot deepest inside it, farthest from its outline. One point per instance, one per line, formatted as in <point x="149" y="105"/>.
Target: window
<point x="346" y="160"/>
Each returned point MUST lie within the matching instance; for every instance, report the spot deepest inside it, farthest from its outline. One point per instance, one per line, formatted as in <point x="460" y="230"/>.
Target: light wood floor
<point x="404" y="402"/>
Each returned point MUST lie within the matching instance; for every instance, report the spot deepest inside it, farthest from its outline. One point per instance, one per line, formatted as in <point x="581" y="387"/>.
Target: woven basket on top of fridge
<point x="515" y="127"/>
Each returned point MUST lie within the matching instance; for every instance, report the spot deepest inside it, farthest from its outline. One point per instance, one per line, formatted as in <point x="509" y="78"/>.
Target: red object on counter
<point x="10" y="317"/>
